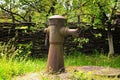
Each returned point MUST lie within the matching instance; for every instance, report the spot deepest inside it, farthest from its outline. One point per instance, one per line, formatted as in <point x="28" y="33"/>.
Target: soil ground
<point x="96" y="70"/>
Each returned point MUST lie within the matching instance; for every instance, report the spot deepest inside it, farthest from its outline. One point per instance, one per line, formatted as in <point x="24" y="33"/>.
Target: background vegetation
<point x="95" y="13"/>
<point x="14" y="65"/>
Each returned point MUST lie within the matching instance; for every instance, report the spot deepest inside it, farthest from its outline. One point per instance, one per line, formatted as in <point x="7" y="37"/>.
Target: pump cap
<point x="56" y="17"/>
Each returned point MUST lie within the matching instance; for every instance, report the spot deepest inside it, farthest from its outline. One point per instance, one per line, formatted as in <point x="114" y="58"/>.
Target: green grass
<point x="15" y="67"/>
<point x="8" y="69"/>
<point x="12" y="64"/>
<point x="95" y="59"/>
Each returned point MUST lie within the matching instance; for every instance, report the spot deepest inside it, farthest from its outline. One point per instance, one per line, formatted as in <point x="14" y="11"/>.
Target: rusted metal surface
<point x="57" y="31"/>
<point x="55" y="58"/>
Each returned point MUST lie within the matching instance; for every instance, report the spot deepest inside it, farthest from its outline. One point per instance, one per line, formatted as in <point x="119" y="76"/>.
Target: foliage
<point x="8" y="49"/>
<point x="89" y="76"/>
<point x="16" y="61"/>
<point x="81" y="41"/>
<point x="14" y="66"/>
<point x="96" y="13"/>
<point x="95" y="58"/>
<point x="9" y="69"/>
<point x="24" y="50"/>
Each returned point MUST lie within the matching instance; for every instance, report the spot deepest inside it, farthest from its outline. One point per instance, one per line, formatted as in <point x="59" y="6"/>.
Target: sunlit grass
<point x="16" y="67"/>
<point x="89" y="76"/>
<point x="12" y="64"/>
<point x="80" y="59"/>
<point x="9" y="69"/>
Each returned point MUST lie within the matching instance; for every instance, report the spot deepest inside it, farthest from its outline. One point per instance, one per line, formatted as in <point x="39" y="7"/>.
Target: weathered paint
<point x="57" y="31"/>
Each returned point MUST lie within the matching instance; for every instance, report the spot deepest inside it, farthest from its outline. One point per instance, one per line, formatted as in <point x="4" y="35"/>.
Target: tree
<point x="12" y="8"/>
<point x="97" y="13"/>
<point x="107" y="9"/>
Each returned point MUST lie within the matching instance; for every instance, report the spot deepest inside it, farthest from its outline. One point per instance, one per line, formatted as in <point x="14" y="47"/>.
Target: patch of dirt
<point x="96" y="70"/>
<point x="30" y="76"/>
<point x="43" y="76"/>
<point x="99" y="70"/>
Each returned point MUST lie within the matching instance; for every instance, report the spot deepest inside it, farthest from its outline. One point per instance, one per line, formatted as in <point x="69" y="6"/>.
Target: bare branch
<point x="13" y="13"/>
<point x="113" y="10"/>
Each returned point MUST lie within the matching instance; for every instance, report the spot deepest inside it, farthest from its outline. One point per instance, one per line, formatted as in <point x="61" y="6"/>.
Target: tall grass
<point x="12" y="63"/>
<point x="8" y="69"/>
<point x="95" y="59"/>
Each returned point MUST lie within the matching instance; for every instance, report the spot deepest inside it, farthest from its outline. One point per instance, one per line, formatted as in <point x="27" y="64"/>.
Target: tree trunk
<point x="110" y="43"/>
<point x="78" y="18"/>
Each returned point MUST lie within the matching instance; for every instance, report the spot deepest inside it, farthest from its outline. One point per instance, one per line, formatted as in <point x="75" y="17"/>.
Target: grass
<point x="95" y="59"/>
<point x="8" y="69"/>
<point x="16" y="67"/>
<point x="11" y="64"/>
<point x="90" y="76"/>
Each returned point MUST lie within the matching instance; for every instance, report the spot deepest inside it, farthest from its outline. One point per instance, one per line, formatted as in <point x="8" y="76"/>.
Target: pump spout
<point x="66" y="31"/>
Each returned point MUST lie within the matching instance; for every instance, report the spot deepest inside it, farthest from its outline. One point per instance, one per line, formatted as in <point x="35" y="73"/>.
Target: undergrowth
<point x="12" y="63"/>
<point x="95" y="59"/>
<point x="89" y="76"/>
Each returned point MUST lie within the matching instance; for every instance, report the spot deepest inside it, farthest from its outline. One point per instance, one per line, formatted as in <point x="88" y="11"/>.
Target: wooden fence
<point x="38" y="38"/>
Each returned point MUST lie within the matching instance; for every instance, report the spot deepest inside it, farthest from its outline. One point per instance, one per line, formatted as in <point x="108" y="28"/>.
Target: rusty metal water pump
<point x="57" y="31"/>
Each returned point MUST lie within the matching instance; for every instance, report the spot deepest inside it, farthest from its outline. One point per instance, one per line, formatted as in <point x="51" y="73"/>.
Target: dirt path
<point x="68" y="75"/>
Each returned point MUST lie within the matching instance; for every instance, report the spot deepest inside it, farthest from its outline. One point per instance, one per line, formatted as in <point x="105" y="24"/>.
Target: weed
<point x="12" y="63"/>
